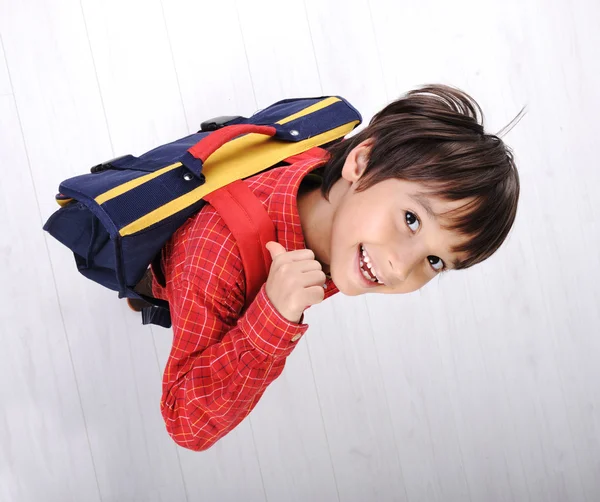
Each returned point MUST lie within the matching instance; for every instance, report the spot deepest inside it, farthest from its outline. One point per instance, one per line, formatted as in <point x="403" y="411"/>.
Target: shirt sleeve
<point x="220" y="362"/>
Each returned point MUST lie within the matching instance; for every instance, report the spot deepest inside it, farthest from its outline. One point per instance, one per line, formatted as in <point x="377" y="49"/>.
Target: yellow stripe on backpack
<point x="238" y="159"/>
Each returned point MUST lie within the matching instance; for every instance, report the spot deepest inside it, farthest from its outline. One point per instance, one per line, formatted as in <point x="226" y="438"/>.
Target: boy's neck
<point x="316" y="215"/>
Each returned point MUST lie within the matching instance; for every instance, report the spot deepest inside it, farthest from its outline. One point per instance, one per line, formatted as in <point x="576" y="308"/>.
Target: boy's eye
<point x="436" y="263"/>
<point x="412" y="221"/>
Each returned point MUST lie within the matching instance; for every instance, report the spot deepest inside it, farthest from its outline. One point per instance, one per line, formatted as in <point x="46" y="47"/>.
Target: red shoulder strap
<point x="251" y="227"/>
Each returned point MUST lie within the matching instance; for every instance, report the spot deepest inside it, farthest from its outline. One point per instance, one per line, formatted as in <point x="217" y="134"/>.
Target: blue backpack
<point x="117" y="218"/>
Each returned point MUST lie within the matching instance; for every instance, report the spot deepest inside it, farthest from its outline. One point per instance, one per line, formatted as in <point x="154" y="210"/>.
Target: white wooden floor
<point x="484" y="386"/>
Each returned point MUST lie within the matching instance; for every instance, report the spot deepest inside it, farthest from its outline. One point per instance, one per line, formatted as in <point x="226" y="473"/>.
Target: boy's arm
<point x="220" y="365"/>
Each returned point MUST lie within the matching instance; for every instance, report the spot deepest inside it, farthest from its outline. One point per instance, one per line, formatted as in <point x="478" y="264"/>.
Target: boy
<point x="420" y="191"/>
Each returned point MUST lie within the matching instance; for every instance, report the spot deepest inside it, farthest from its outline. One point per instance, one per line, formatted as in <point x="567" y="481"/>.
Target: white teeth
<point x="367" y="260"/>
<point x="367" y="276"/>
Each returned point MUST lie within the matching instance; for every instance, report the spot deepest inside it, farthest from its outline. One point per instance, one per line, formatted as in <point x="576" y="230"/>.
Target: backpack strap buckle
<point x="217" y="122"/>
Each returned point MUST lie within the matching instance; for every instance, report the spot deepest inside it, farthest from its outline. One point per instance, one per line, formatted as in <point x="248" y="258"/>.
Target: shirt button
<point x="296" y="338"/>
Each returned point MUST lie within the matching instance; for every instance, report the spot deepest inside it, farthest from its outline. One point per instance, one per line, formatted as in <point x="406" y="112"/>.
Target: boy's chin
<point x="350" y="292"/>
<point x="345" y="286"/>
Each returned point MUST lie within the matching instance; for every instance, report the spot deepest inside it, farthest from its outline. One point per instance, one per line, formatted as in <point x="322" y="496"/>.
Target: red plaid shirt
<point x="221" y="363"/>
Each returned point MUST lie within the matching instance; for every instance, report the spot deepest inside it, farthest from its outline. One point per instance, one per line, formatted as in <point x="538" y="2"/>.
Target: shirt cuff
<point x="268" y="330"/>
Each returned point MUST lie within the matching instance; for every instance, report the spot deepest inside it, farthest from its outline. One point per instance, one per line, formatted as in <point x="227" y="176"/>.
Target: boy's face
<point x="391" y="226"/>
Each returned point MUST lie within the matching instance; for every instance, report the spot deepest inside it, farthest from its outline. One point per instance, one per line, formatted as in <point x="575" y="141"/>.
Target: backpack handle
<point x="198" y="154"/>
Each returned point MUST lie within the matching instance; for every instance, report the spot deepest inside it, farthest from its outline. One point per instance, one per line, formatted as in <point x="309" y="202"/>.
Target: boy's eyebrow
<point x="419" y="199"/>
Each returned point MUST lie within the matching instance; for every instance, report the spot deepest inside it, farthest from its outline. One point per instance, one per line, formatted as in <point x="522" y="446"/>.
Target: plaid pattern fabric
<point x="221" y="362"/>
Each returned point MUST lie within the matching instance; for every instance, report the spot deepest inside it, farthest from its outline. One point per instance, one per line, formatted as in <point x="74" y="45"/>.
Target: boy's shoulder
<point x="280" y="185"/>
<point x="204" y="251"/>
<point x="276" y="188"/>
<point x="205" y="238"/>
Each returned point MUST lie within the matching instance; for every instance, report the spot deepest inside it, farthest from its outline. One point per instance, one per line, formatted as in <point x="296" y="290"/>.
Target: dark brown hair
<point x="434" y="135"/>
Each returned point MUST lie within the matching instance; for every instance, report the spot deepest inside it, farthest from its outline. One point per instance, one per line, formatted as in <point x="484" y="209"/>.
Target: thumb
<point x="275" y="249"/>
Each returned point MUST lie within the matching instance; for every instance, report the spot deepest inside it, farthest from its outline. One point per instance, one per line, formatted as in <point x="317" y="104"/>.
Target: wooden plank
<point x="280" y="52"/>
<point x="44" y="446"/>
<point x="346" y="52"/>
<point x="412" y="368"/>
<point x="353" y="401"/>
<point x="210" y="60"/>
<point x="65" y="130"/>
<point x="5" y="87"/>
<point x="136" y="73"/>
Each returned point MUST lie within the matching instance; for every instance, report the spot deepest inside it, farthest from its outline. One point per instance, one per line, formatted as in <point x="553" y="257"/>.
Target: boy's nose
<point x="400" y="273"/>
<point x="402" y="265"/>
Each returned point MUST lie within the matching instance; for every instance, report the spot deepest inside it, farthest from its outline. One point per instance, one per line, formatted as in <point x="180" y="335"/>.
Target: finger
<point x="313" y="278"/>
<point x="315" y="294"/>
<point x="297" y="255"/>
<point x="309" y="266"/>
<point x="275" y="249"/>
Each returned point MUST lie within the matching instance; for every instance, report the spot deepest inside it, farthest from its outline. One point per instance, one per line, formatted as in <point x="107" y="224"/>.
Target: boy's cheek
<point x="412" y="286"/>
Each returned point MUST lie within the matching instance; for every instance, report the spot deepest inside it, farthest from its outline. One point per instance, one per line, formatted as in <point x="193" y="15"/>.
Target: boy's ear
<point x="357" y="161"/>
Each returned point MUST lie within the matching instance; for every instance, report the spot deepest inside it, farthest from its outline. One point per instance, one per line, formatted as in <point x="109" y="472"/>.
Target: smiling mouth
<point x="366" y="266"/>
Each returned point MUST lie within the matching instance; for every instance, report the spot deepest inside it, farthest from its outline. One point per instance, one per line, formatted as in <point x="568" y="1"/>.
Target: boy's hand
<point x="295" y="281"/>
